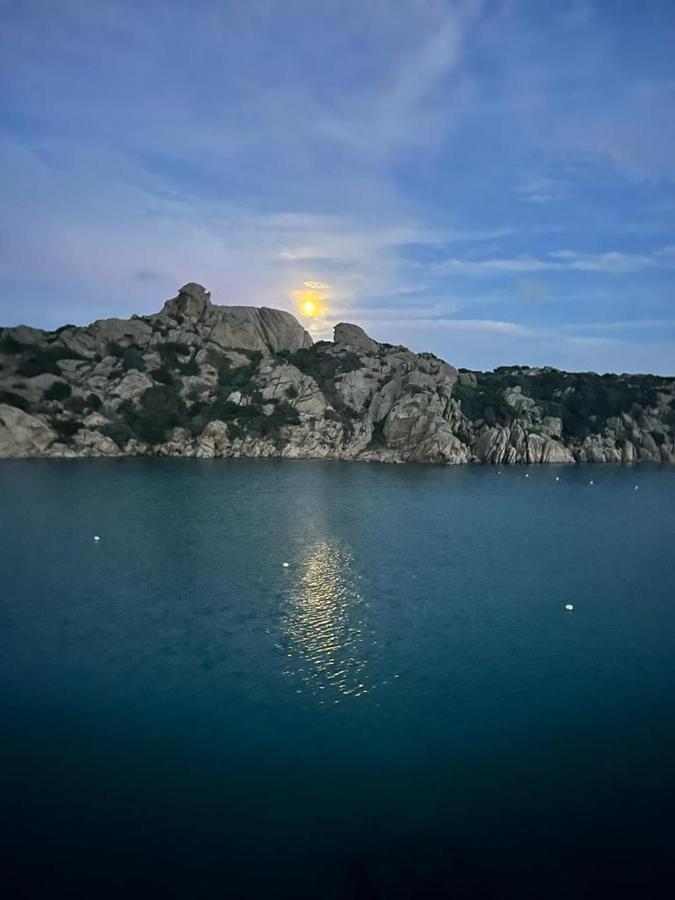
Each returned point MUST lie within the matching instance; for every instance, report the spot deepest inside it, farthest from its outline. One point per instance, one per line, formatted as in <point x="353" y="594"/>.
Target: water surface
<point x="404" y="710"/>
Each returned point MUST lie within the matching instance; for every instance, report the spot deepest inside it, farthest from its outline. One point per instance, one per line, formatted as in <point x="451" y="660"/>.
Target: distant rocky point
<point x="206" y="381"/>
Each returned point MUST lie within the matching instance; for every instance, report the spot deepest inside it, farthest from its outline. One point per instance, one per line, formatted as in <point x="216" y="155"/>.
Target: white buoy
<point x="285" y="565"/>
<point x="569" y="607"/>
<point x="591" y="482"/>
<point x="635" y="488"/>
<point x="557" y="477"/>
<point x="527" y="475"/>
<point x="96" y="537"/>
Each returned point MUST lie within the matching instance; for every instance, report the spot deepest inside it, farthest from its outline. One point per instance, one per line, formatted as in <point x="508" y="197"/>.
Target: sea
<point x="314" y="679"/>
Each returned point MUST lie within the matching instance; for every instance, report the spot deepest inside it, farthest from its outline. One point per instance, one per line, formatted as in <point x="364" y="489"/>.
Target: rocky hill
<point x="203" y="380"/>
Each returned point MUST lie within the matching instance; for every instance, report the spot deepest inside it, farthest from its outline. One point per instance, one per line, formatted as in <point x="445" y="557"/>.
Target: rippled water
<point x="323" y="629"/>
<point x="404" y="709"/>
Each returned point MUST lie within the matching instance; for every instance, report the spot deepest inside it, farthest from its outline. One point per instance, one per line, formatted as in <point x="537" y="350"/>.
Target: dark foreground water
<point x="406" y="710"/>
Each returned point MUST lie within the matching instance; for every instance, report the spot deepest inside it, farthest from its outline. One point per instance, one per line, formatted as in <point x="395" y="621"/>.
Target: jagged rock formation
<point x="203" y="380"/>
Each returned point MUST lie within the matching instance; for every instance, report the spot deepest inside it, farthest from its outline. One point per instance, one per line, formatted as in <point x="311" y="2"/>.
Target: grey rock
<point x="93" y="443"/>
<point x="286" y="382"/>
<point x="467" y="379"/>
<point x="22" y="434"/>
<point x="266" y="330"/>
<point x="192" y="302"/>
<point x="132" y="386"/>
<point x="353" y="336"/>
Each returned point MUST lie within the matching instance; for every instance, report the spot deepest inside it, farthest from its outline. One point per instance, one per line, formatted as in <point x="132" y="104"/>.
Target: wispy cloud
<point x="612" y="262"/>
<point x="542" y="189"/>
<point x="408" y="108"/>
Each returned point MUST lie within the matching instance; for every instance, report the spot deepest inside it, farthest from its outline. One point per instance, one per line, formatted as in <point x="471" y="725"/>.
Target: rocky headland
<point x="202" y="380"/>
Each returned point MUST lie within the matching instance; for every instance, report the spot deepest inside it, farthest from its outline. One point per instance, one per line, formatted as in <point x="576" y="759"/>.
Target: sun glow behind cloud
<point x="311" y="300"/>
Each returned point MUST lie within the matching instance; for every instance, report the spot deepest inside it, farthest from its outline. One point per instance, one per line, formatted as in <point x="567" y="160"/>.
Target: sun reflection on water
<point x="323" y="628"/>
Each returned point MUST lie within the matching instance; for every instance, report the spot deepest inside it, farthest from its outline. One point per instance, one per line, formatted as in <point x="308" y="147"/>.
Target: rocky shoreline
<point x="205" y="381"/>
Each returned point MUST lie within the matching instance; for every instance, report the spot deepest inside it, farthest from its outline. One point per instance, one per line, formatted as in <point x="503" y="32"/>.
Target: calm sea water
<point x="405" y="710"/>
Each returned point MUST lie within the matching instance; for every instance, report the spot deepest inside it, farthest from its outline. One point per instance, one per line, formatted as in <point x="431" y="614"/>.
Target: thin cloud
<point x="542" y="189"/>
<point x="612" y="263"/>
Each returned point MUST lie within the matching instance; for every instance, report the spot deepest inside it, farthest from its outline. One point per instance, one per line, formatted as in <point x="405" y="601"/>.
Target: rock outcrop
<point x="202" y="380"/>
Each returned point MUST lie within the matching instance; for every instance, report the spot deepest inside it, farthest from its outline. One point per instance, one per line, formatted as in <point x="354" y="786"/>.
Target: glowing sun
<point x="310" y="301"/>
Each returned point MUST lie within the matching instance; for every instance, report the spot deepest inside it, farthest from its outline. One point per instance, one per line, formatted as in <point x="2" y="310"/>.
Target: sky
<point x="490" y="180"/>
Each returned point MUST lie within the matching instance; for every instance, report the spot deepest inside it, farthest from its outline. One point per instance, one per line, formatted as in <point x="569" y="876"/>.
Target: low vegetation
<point x="58" y="391"/>
<point x="12" y="399"/>
<point x="39" y="360"/>
<point x="584" y="401"/>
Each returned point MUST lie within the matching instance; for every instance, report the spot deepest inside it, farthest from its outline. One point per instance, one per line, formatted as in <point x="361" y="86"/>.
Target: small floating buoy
<point x="527" y="474"/>
<point x="591" y="482"/>
<point x="285" y="565"/>
<point x="557" y="477"/>
<point x="569" y="607"/>
<point x="96" y="537"/>
<point x="635" y="488"/>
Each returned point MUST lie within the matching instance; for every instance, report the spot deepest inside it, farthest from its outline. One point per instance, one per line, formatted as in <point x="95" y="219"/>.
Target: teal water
<point x="406" y="710"/>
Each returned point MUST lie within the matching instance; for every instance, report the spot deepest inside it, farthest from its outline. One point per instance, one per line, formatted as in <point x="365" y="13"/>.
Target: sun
<point x="310" y="301"/>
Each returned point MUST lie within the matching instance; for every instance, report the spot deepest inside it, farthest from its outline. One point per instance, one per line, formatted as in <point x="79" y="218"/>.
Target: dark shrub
<point x="132" y="358"/>
<point x="118" y="432"/>
<point x="322" y="366"/>
<point x="235" y="431"/>
<point x="170" y="350"/>
<point x="58" y="391"/>
<point x="224" y="369"/>
<point x="75" y="405"/>
<point x="112" y="348"/>
<point x="163" y="375"/>
<point x="12" y="399"/>
<point x="93" y="402"/>
<point x="161" y="409"/>
<point x="231" y="376"/>
<point x="254" y="355"/>
<point x="10" y="345"/>
<point x="284" y="414"/>
<point x="37" y="360"/>
<point x="64" y="429"/>
<point x="377" y="439"/>
<point x="190" y="367"/>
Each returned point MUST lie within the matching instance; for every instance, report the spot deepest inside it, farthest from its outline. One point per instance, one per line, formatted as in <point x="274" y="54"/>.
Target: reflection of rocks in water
<point x="322" y="626"/>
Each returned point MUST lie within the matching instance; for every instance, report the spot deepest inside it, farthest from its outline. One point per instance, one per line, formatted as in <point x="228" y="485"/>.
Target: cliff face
<point x="203" y="380"/>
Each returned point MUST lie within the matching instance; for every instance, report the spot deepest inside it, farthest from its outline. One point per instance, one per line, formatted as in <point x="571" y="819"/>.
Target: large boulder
<point x="22" y="434"/>
<point x="249" y="328"/>
<point x="192" y="302"/>
<point x="286" y="382"/>
<point x="213" y="441"/>
<point x="233" y="327"/>
<point x="132" y="386"/>
<point x="127" y="332"/>
<point x="355" y="337"/>
<point x="93" y="443"/>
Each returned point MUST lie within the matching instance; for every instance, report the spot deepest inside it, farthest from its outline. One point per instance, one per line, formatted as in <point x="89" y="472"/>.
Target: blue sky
<point x="493" y="181"/>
